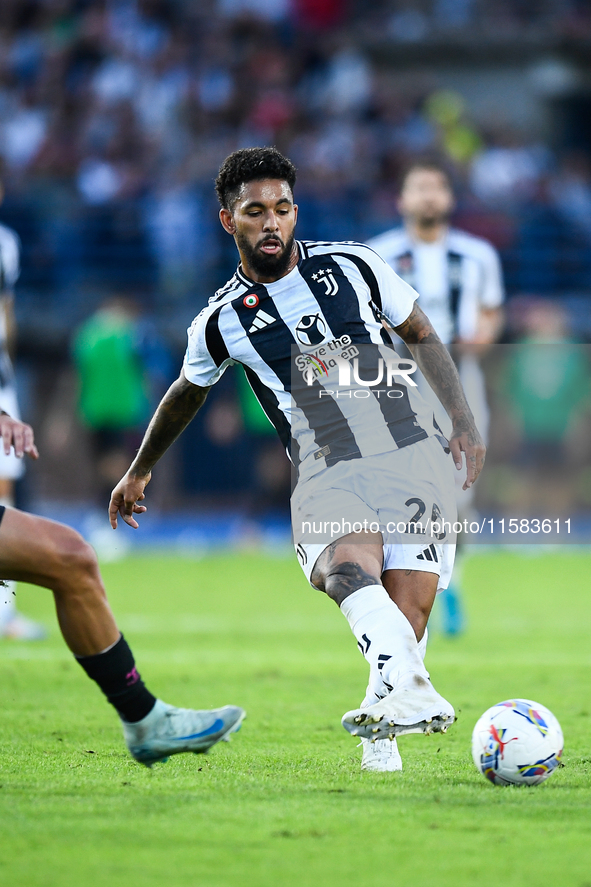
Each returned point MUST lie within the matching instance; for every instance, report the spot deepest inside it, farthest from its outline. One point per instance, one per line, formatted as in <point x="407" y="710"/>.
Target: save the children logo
<point x="317" y="364"/>
<point x="311" y="330"/>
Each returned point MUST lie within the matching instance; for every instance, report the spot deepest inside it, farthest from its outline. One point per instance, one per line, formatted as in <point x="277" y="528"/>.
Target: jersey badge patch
<point x="250" y="301"/>
<point x="326" y="277"/>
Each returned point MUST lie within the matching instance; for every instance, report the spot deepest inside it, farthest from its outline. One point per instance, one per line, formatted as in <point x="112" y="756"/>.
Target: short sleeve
<point x="9" y="258"/>
<point x="492" y="293"/>
<point x="396" y="295"/>
<point x="206" y="358"/>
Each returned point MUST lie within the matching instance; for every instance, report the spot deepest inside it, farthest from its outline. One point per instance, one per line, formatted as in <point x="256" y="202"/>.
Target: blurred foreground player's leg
<point x="45" y="553"/>
<point x="15" y="625"/>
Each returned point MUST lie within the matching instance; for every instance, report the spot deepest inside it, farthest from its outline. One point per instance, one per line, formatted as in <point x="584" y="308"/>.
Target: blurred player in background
<point x="46" y="553"/>
<point x="12" y="623"/>
<point x="113" y="387"/>
<point x="458" y="278"/>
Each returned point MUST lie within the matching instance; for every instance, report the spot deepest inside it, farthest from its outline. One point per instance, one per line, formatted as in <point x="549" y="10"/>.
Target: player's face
<point x="262" y="220"/>
<point x="426" y="197"/>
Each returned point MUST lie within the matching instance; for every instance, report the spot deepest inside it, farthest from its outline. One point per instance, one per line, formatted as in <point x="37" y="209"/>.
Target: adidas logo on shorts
<point x="429" y="554"/>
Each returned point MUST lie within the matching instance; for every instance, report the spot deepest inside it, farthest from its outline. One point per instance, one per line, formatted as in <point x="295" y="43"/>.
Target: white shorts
<point x="438" y="559"/>
<point x="393" y="493"/>
<point x="11" y="468"/>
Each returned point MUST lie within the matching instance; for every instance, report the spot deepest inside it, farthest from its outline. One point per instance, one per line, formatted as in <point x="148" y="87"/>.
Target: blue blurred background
<point x="114" y="118"/>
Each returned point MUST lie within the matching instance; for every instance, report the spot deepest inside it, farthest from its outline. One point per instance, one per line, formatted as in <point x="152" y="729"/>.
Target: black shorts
<point x="2" y="510"/>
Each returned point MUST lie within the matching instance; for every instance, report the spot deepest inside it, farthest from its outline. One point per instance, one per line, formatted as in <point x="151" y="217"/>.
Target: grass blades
<point x="285" y="802"/>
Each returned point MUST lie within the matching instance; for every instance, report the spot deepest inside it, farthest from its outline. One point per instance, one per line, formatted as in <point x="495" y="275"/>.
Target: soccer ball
<point x="517" y="742"/>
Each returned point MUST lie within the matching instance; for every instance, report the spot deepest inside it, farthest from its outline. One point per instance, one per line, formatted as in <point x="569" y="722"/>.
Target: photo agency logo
<point x="390" y="371"/>
<point x="355" y="372"/>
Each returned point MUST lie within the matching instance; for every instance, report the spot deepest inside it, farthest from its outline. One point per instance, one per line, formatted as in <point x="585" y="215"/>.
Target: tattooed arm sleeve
<point x="436" y="364"/>
<point x="174" y="412"/>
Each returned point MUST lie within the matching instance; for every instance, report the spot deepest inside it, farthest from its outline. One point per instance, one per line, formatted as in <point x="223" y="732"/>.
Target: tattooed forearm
<point x="437" y="366"/>
<point x="176" y="409"/>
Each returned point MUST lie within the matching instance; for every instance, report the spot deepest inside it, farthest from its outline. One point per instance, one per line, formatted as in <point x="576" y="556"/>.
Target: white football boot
<point x="21" y="628"/>
<point x="167" y="730"/>
<point x="414" y="706"/>
<point x="381" y="756"/>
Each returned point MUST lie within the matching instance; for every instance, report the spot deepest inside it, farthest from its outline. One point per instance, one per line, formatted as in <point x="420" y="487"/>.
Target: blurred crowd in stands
<point x="115" y="116"/>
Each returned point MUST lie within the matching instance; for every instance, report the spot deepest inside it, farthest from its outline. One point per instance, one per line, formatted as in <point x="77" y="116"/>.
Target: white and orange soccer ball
<point x="517" y="742"/>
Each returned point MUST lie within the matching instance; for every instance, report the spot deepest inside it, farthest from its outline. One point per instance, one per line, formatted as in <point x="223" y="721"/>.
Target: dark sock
<point x="115" y="673"/>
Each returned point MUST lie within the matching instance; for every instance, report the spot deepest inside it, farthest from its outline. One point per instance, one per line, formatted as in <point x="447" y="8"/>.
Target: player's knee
<point x="418" y="619"/>
<point x="341" y="580"/>
<point x="76" y="558"/>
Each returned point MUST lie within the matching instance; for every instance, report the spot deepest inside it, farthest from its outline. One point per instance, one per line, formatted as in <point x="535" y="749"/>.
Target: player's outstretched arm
<point x="440" y="371"/>
<point x="19" y="435"/>
<point x="174" y="412"/>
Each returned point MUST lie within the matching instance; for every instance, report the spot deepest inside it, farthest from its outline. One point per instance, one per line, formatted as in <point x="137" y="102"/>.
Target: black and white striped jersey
<point x="455" y="277"/>
<point x="329" y="305"/>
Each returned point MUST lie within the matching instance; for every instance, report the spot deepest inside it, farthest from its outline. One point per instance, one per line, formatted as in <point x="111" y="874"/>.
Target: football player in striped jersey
<point x="370" y="461"/>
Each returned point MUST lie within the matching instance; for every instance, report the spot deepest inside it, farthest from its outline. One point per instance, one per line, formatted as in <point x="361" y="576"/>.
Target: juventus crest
<point x="326" y="277"/>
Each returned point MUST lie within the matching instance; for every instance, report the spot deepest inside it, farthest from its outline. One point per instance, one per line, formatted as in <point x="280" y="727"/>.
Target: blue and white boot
<point x="168" y="730"/>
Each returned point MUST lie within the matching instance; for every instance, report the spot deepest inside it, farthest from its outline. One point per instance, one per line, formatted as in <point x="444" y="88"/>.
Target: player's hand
<point x="125" y="497"/>
<point x="19" y="435"/>
<point x="466" y="439"/>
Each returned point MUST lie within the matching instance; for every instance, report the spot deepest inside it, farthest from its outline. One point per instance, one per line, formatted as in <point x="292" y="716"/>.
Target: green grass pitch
<point x="285" y="803"/>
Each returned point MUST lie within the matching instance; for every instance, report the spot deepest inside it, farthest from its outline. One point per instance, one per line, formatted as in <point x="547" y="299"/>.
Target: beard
<point x="263" y="265"/>
<point x="431" y="219"/>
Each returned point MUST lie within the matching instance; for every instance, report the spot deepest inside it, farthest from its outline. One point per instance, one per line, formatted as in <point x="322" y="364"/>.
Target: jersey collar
<point x="441" y="241"/>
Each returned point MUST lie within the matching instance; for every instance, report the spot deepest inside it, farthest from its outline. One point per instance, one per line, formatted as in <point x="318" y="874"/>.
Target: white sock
<point x="422" y="644"/>
<point x="384" y="636"/>
<point x="7" y="592"/>
<point x="376" y="689"/>
<point x="7" y="601"/>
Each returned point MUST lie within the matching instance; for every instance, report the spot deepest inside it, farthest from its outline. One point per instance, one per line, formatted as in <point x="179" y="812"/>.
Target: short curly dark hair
<point x="251" y="165"/>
